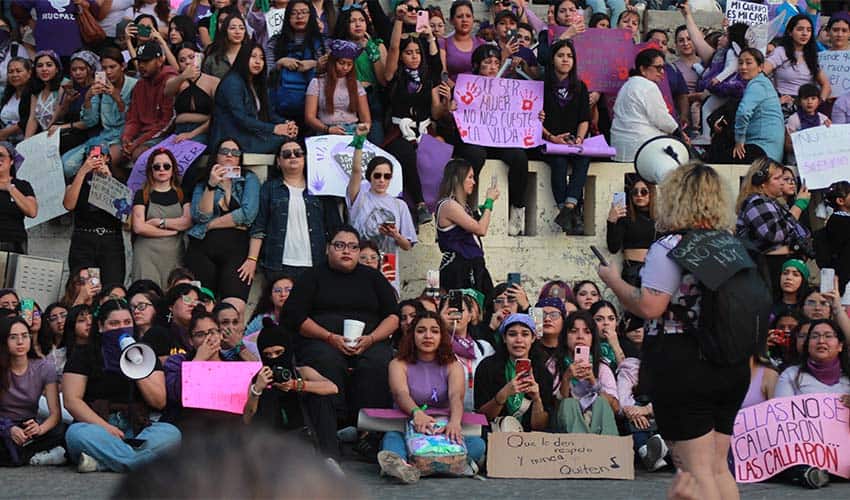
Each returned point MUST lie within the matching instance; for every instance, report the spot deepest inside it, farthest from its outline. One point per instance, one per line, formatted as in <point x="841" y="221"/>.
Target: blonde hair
<point x="747" y="187"/>
<point x="694" y="196"/>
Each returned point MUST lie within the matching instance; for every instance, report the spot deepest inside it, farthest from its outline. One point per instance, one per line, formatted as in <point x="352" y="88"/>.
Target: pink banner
<point x="217" y="385"/>
<point x="811" y="429"/>
<point x="593" y="147"/>
<point x="392" y="414"/>
<point x="499" y="112"/>
<point x="185" y="152"/>
<point x="604" y="58"/>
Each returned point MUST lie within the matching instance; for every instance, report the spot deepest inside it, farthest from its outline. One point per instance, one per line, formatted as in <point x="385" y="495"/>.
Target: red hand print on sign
<point x="472" y="91"/>
<point x="528" y="99"/>
<point x="528" y="140"/>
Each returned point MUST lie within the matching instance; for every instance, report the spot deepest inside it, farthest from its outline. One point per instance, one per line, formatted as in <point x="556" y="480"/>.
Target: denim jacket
<point x="270" y="225"/>
<point x="104" y="110"/>
<point x="245" y="189"/>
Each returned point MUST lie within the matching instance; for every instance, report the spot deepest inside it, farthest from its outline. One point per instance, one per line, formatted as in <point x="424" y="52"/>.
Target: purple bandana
<point x="463" y="347"/>
<point x="827" y="373"/>
<point x="562" y="92"/>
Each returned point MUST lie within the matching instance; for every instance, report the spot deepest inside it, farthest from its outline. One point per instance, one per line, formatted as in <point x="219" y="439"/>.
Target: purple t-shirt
<point x="787" y="77"/>
<point x="20" y="402"/>
<point x="458" y="61"/>
<point x="56" y="25"/>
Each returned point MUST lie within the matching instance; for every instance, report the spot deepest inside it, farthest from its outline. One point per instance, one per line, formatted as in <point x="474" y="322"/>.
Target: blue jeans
<point x="617" y="8"/>
<point x="394" y="441"/>
<point x="114" y="454"/>
<point x="572" y="192"/>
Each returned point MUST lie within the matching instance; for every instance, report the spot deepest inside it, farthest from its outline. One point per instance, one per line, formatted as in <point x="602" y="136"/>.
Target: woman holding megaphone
<point x="112" y="431"/>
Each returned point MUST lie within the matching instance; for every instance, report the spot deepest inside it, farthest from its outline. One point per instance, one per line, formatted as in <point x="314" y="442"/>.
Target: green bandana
<point x="568" y="362"/>
<point x="607" y="353"/>
<point x="513" y="403"/>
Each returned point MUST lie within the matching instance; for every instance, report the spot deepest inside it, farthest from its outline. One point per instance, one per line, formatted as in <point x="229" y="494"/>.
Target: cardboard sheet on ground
<point x="217" y="385"/>
<point x="810" y="429"/>
<point x="185" y="152"/>
<point x="594" y="147"/>
<point x="498" y="112"/>
<point x="823" y="154"/>
<point x="330" y="159"/>
<point x="111" y="195"/>
<point x="540" y="455"/>
<point x="431" y="158"/>
<point x="836" y="66"/>
<point x="42" y="168"/>
<point x="712" y="256"/>
<point x="390" y="419"/>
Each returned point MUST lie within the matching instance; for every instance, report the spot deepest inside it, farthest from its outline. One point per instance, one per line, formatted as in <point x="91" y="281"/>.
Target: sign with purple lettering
<point x="185" y="152"/>
<point x="604" y="57"/>
<point x="823" y="154"/>
<point x="810" y="429"/>
<point x="499" y="112"/>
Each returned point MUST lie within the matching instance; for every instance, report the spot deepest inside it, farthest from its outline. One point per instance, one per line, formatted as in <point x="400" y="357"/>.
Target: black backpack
<point x="735" y="296"/>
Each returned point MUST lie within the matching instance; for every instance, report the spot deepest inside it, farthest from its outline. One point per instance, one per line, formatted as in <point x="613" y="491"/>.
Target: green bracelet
<point x="358" y="141"/>
<point x="802" y="204"/>
<point x="487" y="205"/>
<point x="418" y="408"/>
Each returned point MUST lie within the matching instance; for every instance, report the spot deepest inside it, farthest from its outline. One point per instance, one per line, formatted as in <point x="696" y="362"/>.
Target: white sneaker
<point x="656" y="450"/>
<point x="393" y="465"/>
<point x="87" y="464"/>
<point x="516" y="221"/>
<point x="55" y="456"/>
<point x="335" y="469"/>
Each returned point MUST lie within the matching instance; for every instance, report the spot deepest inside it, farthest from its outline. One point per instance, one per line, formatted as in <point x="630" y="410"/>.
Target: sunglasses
<point x="658" y="67"/>
<point x="640" y="192"/>
<point x="161" y="167"/>
<point x="230" y="152"/>
<point x="291" y="153"/>
<point x="378" y="175"/>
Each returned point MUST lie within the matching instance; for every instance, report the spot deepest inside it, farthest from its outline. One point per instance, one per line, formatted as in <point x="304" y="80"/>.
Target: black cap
<point x="148" y="51"/>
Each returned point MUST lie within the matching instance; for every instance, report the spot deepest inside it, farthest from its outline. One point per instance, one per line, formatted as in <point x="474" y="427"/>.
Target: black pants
<point x="516" y="160"/>
<point x="457" y="272"/>
<point x="363" y="380"/>
<point x="631" y="272"/>
<point x="53" y="438"/>
<point x="405" y="152"/>
<point x="321" y="419"/>
<point x="106" y="251"/>
<point x="774" y="269"/>
<point x="215" y="259"/>
<point x="14" y="246"/>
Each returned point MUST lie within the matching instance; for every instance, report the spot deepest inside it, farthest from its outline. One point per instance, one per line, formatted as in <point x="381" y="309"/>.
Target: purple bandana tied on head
<point x="344" y="49"/>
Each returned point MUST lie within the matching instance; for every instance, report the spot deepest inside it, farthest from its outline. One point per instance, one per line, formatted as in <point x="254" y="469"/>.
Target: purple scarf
<point x="807" y="120"/>
<point x="562" y="92"/>
<point x="463" y="347"/>
<point x="827" y="373"/>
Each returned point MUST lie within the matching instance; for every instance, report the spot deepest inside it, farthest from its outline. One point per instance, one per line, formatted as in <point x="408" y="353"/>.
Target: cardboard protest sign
<point x="554" y="31"/>
<point x="810" y="429"/>
<point x="431" y="158"/>
<point x="217" y="385"/>
<point x="499" y="112"/>
<point x="593" y="147"/>
<point x="603" y="58"/>
<point x="823" y="154"/>
<point x="712" y="256"/>
<point x="743" y="11"/>
<point x="185" y="152"/>
<point x="42" y="168"/>
<point x="330" y="158"/>
<point x="274" y="21"/>
<point x="111" y="195"/>
<point x="540" y="455"/>
<point x="836" y="65"/>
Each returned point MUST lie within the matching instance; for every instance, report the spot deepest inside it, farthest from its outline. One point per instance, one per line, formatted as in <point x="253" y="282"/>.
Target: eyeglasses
<point x="141" y="306"/>
<point x="36" y="314"/>
<point x="291" y="153"/>
<point x="230" y="152"/>
<point x="278" y="289"/>
<point x="300" y="13"/>
<point x="378" y="175"/>
<point x="57" y="317"/>
<point x="552" y="315"/>
<point x="3" y="156"/>
<point x="19" y="337"/>
<point x="161" y="166"/>
<point x="658" y="67"/>
<point x="816" y="303"/>
<point x="339" y="246"/>
<point x="825" y="336"/>
<point x="189" y="301"/>
<point x="201" y="334"/>
<point x="640" y="192"/>
<point x="369" y="258"/>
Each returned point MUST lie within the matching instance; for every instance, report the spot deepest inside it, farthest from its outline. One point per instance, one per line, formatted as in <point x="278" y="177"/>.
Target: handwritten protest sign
<point x="42" y="168"/>
<point x="185" y="152"/>
<point x="217" y="385"/>
<point x="594" y="147"/>
<point x="712" y="256"/>
<point x="274" y="21"/>
<point x="823" y="154"/>
<point x="540" y="455"/>
<point x="810" y="429"/>
<point x="836" y="65"/>
<point x="330" y="158"/>
<point x="499" y="112"/>
<point x="111" y="195"/>
<point x="603" y="58"/>
<point x="742" y="11"/>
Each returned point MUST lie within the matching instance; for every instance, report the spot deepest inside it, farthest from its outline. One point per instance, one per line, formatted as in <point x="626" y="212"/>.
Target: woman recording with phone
<point x="631" y="227"/>
<point x="468" y="350"/>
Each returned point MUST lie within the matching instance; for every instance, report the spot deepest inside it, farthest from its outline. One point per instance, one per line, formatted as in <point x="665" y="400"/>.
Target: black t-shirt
<point x="567" y="118"/>
<point x="88" y="216"/>
<point x="113" y="387"/>
<point x="490" y="378"/>
<point x="11" y="217"/>
<point x="163" y="198"/>
<point x="165" y="341"/>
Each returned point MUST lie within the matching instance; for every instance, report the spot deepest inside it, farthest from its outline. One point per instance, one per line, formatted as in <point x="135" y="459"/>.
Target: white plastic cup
<point x="352" y="329"/>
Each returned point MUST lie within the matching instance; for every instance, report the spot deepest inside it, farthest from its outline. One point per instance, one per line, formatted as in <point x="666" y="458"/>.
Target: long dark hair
<point x="407" y="346"/>
<point x="53" y="84"/>
<point x="218" y="48"/>
<point x="6" y="356"/>
<point x="9" y="91"/>
<point x="551" y="82"/>
<point x="186" y="27"/>
<point x="843" y="356"/>
<point x="162" y="9"/>
<point x="147" y="187"/>
<point x="259" y="83"/>
<point x="312" y="33"/>
<point x="342" y="30"/>
<point x="213" y="153"/>
<point x="265" y="305"/>
<point x="738" y="33"/>
<point x="69" y="337"/>
<point x="563" y="351"/>
<point x="810" y="50"/>
<point x="47" y="338"/>
<point x="402" y="78"/>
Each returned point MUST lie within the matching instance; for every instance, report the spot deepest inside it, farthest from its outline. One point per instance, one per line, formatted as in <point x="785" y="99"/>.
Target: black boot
<point x="565" y="219"/>
<point x="577" y="222"/>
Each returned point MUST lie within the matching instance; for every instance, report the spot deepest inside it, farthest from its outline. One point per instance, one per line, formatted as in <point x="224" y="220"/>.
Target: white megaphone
<point x="659" y="156"/>
<point x="137" y="359"/>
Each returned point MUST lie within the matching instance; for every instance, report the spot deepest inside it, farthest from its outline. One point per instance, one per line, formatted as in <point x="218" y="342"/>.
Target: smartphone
<point x="514" y="279"/>
<point x="536" y="314"/>
<point x="94" y="276"/>
<point x="619" y="198"/>
<point x="511" y="36"/>
<point x="456" y="300"/>
<point x="423" y="20"/>
<point x="432" y="278"/>
<point x="582" y="353"/>
<point x="144" y="30"/>
<point x="135" y="443"/>
<point x="27" y="307"/>
<point x="100" y="77"/>
<point x="598" y="255"/>
<point x="199" y="59"/>
<point x="827" y="280"/>
<point x="95" y="151"/>
<point x="444" y="77"/>
<point x="523" y="367"/>
<point x="493" y="181"/>
<point x="232" y="172"/>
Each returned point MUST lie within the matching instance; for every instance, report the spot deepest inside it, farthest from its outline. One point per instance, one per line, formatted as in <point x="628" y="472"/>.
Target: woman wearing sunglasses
<point x="290" y="232"/>
<point x="631" y="227"/>
<point x="160" y="215"/>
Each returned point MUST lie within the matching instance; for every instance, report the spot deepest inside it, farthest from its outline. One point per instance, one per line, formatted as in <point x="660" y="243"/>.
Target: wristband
<point x="358" y="141"/>
<point x="210" y="187"/>
<point x="487" y="205"/>
<point x="251" y="257"/>
<point x="299" y="385"/>
<point x="418" y="408"/>
<point x="802" y="204"/>
<point x="255" y="393"/>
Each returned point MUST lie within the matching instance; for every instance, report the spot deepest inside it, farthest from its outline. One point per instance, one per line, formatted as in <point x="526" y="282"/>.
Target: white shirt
<point x="116" y="14"/>
<point x="787" y="384"/>
<point x="369" y="210"/>
<point x="640" y="114"/>
<point x="296" y="245"/>
<point x="9" y="114"/>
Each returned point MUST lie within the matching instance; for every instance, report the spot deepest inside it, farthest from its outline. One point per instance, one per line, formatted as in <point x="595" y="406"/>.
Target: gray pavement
<point x="66" y="484"/>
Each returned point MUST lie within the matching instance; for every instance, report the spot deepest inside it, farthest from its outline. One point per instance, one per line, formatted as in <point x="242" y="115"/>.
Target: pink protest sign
<point x="811" y="429"/>
<point x="185" y="152"/>
<point x="593" y="147"/>
<point x="603" y="58"/>
<point x="217" y="385"/>
<point x="499" y="112"/>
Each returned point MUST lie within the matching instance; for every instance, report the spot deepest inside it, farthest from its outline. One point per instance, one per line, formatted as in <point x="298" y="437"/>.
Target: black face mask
<point x="284" y="359"/>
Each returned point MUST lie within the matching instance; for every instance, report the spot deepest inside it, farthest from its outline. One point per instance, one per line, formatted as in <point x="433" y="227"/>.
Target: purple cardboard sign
<point x="604" y="57"/>
<point x="185" y="152"/>
<point x="499" y="112"/>
<point x="592" y="147"/>
<point x="431" y="158"/>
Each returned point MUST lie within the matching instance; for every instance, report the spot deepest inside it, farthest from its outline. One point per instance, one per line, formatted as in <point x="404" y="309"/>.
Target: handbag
<point x="90" y="30"/>
<point x="435" y="453"/>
